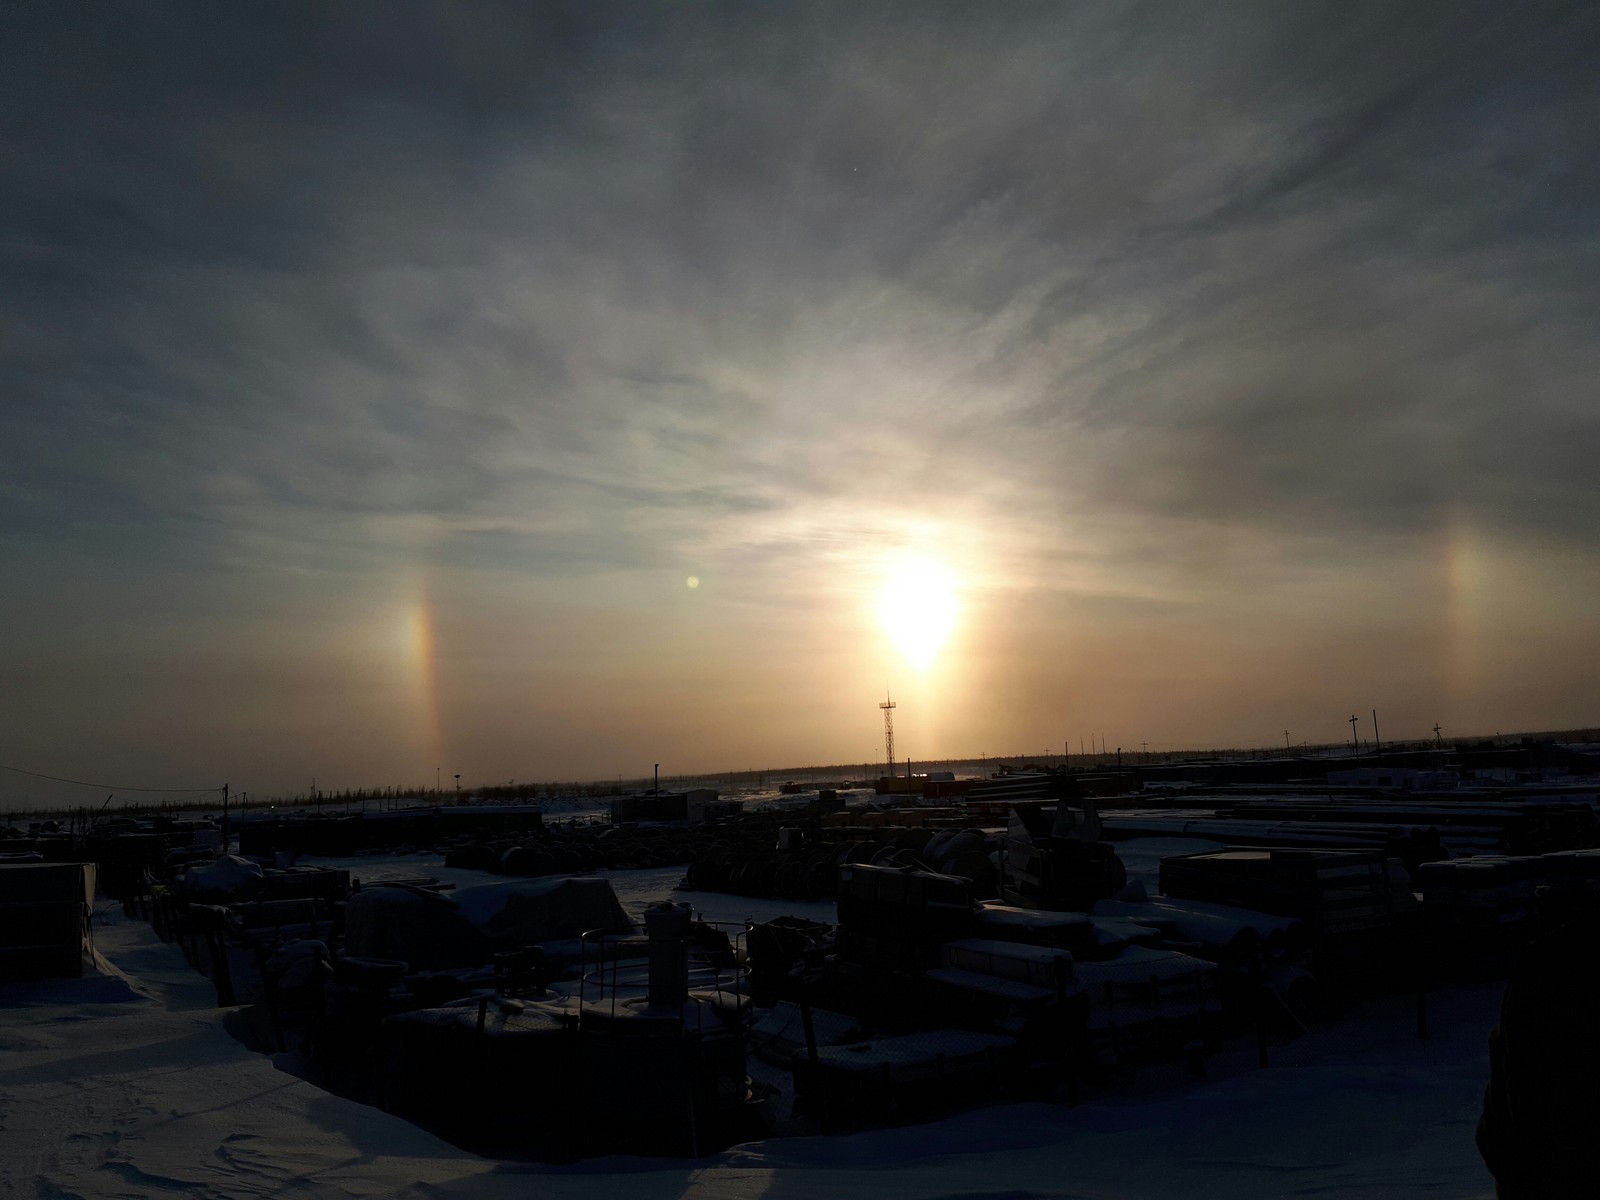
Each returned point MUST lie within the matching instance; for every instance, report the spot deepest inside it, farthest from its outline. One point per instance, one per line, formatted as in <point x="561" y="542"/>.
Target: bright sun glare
<point x="918" y="608"/>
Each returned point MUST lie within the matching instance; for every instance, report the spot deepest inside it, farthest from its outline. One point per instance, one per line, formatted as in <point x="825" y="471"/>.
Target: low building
<point x="692" y="807"/>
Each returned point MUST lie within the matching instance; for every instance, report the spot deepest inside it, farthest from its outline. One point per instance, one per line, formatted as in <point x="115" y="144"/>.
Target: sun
<point x="918" y="608"/>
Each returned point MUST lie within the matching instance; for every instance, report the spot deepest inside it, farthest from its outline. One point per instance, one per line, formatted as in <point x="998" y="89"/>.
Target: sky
<point x="541" y="391"/>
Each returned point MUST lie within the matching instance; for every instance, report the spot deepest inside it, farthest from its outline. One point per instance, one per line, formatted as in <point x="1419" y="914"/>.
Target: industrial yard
<point x="1016" y="965"/>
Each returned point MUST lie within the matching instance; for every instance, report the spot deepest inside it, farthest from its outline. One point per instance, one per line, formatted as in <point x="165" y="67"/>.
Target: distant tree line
<point x="511" y="792"/>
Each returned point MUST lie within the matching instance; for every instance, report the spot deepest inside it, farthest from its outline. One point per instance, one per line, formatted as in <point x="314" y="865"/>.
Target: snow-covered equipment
<point x="228" y="880"/>
<point x="1053" y="858"/>
<point x="553" y="913"/>
<point x="1006" y="987"/>
<point x="1148" y="1002"/>
<point x="423" y="929"/>
<point x="777" y="949"/>
<point x="662" y="1028"/>
<point x="44" y="915"/>
<point x="488" y="1070"/>
<point x="431" y="931"/>
<point x="1482" y="910"/>
<point x="896" y="918"/>
<point x="1072" y="931"/>
<point x="1221" y="933"/>
<point x="1360" y="929"/>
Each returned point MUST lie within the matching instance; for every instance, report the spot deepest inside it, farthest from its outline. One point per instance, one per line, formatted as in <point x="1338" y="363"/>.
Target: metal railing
<point x="615" y="973"/>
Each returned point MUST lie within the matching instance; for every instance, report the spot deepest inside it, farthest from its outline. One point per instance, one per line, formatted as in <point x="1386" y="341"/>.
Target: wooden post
<point x="811" y="1051"/>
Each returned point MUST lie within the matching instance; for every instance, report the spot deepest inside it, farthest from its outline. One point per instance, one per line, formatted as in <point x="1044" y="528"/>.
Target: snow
<point x="139" y="1088"/>
<point x="911" y="1050"/>
<point x="779" y="1032"/>
<point x="990" y="985"/>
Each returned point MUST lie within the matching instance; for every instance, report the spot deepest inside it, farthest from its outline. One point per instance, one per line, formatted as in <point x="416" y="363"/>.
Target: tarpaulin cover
<point x="432" y="932"/>
<point x="228" y="879"/>
<point x="421" y="929"/>
<point x="525" y="912"/>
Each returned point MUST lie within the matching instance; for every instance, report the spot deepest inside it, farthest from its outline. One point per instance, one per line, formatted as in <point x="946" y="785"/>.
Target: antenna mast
<point x="888" y="730"/>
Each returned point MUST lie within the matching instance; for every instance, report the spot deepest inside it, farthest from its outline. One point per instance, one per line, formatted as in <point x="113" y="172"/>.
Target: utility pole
<point x="1286" y="743"/>
<point x="458" y="787"/>
<point x="1377" y="742"/>
<point x="1355" y="746"/>
<point x="1438" y="737"/>
<point x="224" y="818"/>
<point x="658" y="779"/>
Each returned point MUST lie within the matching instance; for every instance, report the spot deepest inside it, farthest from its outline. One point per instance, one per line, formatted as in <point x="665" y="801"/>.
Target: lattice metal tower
<point x="888" y="730"/>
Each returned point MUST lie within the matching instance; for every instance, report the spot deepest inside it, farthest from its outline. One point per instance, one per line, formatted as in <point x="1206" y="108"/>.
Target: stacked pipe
<point x="566" y="852"/>
<point x="892" y="923"/>
<point x="1531" y="826"/>
<point x="1358" y="909"/>
<point x="794" y="868"/>
<point x="1481" y="911"/>
<point x="898" y="918"/>
<point x="1220" y="933"/>
<point x="1460" y="825"/>
<point x="1007" y="987"/>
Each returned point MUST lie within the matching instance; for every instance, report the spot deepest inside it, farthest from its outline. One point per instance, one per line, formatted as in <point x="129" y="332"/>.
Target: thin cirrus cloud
<point x="1147" y="318"/>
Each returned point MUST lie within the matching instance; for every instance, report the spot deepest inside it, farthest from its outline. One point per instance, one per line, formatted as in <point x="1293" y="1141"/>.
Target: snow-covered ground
<point x="134" y="1086"/>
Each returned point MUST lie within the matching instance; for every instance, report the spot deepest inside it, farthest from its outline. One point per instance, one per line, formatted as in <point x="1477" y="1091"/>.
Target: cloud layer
<point x="1165" y="324"/>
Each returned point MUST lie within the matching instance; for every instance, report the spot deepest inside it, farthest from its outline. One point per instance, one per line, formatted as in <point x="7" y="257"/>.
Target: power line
<point x="108" y="786"/>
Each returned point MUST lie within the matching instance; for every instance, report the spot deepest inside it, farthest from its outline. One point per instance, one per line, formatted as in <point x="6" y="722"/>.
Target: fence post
<point x="811" y="1052"/>
<point x="1419" y="967"/>
<point x="1258" y="976"/>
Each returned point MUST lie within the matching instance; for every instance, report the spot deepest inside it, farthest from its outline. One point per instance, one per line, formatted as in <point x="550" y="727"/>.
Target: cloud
<point x="1117" y="300"/>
